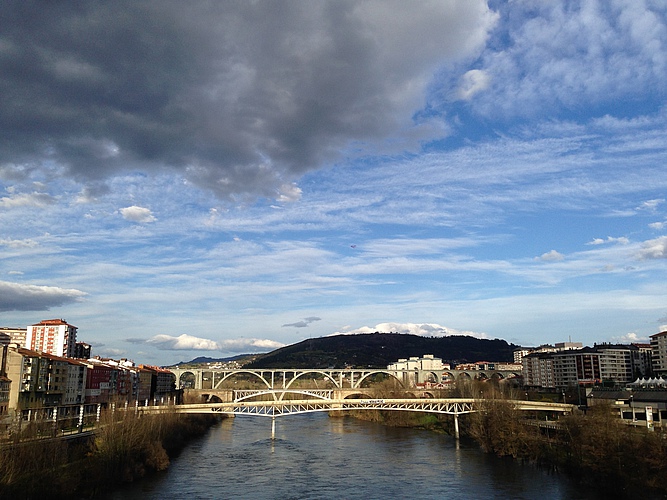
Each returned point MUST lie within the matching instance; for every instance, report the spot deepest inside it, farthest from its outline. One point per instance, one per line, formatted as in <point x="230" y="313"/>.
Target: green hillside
<point x="378" y="350"/>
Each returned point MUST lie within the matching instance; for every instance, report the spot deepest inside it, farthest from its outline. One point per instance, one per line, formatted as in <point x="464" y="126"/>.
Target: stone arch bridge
<point x="292" y="378"/>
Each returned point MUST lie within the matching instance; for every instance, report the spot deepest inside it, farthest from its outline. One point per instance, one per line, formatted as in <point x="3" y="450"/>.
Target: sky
<point x="182" y="179"/>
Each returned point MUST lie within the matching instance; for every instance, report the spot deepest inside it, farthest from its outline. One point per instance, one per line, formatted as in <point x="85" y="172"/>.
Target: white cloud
<point x="27" y="200"/>
<point x="188" y="342"/>
<point x="472" y="82"/>
<point x="599" y="241"/>
<point x="552" y="256"/>
<point x="183" y="343"/>
<point x="137" y="214"/>
<point x="654" y="249"/>
<point x="18" y="243"/>
<point x="250" y="345"/>
<point x="651" y="205"/>
<point x="110" y="352"/>
<point x="420" y="329"/>
<point x="630" y="338"/>
<point x="657" y="225"/>
<point x="289" y="193"/>
<point x="562" y="55"/>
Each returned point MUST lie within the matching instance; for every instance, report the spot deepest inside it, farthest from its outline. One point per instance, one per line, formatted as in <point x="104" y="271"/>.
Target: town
<point x="47" y="375"/>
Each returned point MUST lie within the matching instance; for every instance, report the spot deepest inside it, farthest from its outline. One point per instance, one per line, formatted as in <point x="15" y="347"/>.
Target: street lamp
<point x="563" y="397"/>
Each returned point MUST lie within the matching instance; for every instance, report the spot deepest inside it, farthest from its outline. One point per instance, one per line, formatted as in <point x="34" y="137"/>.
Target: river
<point x="317" y="457"/>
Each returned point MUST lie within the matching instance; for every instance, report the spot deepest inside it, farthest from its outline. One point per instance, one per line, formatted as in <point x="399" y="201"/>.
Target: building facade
<point x="82" y="350"/>
<point x="12" y="336"/>
<point x="408" y="371"/>
<point x="52" y="336"/>
<point x="605" y="363"/>
<point x="659" y="353"/>
<point x="40" y="380"/>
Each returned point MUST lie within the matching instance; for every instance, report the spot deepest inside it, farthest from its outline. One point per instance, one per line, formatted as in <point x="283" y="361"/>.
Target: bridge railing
<point x="274" y="408"/>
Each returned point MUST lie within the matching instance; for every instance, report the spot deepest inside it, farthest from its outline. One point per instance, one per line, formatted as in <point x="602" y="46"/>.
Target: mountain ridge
<point x="377" y="350"/>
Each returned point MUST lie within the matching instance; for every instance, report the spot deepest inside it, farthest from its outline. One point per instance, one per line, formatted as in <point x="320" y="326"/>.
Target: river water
<point x="317" y="457"/>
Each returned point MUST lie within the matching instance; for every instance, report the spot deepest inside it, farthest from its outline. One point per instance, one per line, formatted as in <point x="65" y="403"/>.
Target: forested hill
<point x="378" y="350"/>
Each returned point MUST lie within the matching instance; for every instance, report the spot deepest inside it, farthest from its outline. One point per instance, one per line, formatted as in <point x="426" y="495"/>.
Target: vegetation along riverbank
<point x="121" y="451"/>
<point x="595" y="448"/>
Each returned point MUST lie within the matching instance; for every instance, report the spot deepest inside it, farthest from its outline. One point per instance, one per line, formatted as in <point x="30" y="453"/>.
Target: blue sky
<point x="217" y="179"/>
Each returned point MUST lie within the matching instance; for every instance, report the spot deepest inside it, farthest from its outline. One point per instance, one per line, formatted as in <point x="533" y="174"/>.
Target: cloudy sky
<point x="209" y="178"/>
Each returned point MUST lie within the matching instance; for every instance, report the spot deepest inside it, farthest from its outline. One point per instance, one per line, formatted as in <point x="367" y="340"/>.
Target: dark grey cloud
<point x="20" y="297"/>
<point x="304" y="323"/>
<point x="134" y="340"/>
<point x="239" y="97"/>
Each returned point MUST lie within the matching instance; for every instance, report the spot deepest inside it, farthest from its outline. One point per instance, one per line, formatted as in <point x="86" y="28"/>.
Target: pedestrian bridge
<point x="282" y="407"/>
<point x="277" y="408"/>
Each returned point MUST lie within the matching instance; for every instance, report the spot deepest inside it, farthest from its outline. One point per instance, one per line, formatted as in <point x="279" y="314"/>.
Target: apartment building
<point x="642" y="361"/>
<point x="163" y="382"/>
<point x="521" y="352"/>
<point x="82" y="350"/>
<point x="52" y="336"/>
<point x="659" y="353"/>
<point x="5" y="383"/>
<point x="40" y="380"/>
<point x="408" y="370"/>
<point x="611" y="363"/>
<point x="10" y="335"/>
<point x="538" y="370"/>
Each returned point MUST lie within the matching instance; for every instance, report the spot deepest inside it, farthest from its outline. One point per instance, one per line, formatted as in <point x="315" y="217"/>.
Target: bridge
<point x="272" y="379"/>
<point x="282" y="407"/>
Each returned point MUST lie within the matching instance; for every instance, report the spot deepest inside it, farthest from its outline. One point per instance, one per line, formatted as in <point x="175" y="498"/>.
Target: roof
<point x="53" y="322"/>
<point x="661" y="334"/>
<point x="38" y="354"/>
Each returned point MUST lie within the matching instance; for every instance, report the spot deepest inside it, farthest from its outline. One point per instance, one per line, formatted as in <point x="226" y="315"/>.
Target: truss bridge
<point x="321" y="403"/>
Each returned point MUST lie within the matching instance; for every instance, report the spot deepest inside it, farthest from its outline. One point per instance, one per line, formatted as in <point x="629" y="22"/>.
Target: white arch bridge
<point x="281" y="407"/>
<point x="284" y="378"/>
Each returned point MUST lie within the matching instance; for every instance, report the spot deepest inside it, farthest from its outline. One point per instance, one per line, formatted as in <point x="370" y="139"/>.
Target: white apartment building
<point x="412" y="371"/>
<point x="52" y="336"/>
<point x="428" y="362"/>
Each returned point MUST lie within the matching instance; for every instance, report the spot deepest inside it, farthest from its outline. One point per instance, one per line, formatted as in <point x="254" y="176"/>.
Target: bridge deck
<point x="453" y="406"/>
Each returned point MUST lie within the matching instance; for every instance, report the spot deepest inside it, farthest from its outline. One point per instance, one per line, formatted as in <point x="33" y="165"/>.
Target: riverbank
<point x="595" y="449"/>
<point x="122" y="451"/>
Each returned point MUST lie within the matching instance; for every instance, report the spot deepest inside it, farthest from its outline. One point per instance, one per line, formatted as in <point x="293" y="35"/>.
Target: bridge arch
<point x="187" y="379"/>
<point x="357" y="384"/>
<point x="239" y="372"/>
<point x="357" y="395"/>
<point x="318" y="372"/>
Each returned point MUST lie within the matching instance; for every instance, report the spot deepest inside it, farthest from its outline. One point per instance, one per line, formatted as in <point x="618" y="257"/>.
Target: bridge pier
<point x="273" y="428"/>
<point x="456" y="425"/>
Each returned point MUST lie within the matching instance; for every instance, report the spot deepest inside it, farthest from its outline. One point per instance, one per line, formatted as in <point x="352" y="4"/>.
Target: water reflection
<point x="314" y="456"/>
